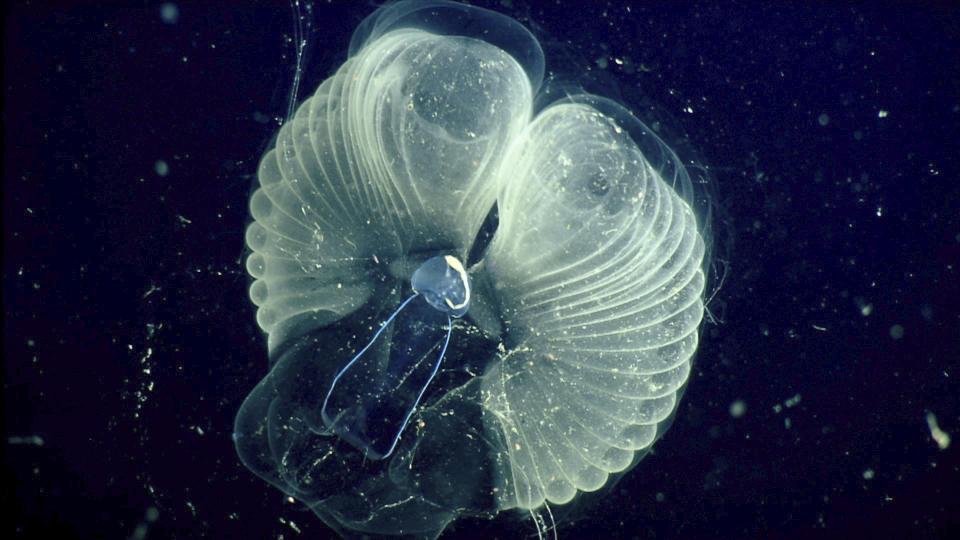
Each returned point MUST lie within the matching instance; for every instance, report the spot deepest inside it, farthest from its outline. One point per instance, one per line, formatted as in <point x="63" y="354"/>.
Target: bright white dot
<point x="941" y="437"/>
<point x="738" y="408"/>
